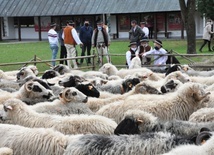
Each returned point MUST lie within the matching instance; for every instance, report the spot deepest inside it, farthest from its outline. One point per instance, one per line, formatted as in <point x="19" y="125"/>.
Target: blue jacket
<point x="86" y="34"/>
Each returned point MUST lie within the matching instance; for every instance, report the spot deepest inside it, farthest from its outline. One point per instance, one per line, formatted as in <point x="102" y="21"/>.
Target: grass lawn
<point x="23" y="52"/>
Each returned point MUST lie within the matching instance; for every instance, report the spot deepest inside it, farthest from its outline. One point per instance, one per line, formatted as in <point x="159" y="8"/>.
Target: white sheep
<point x="3" y="75"/>
<point x="178" y="105"/>
<point x="135" y="63"/>
<point x="203" y="80"/>
<point x="29" y="141"/>
<point x="71" y="101"/>
<point x="96" y="103"/>
<point x="31" y="92"/>
<point x="6" y="151"/>
<point x="28" y="71"/>
<point x="19" y="113"/>
<point x="202" y="115"/>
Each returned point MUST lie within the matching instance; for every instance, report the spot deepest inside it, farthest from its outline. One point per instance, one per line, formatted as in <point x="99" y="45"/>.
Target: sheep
<point x="19" y="113"/>
<point x="203" y="80"/>
<point x="191" y="72"/>
<point x="31" y="92"/>
<point x="71" y="101"/>
<point x="147" y="122"/>
<point x="135" y="63"/>
<point x="122" y="88"/>
<point x="142" y="88"/>
<point x="9" y="85"/>
<point x="6" y="151"/>
<point x="110" y="69"/>
<point x="170" y="86"/>
<point x="178" y="105"/>
<point x="202" y="115"/>
<point x="63" y="69"/>
<point x="29" y="141"/>
<point x="50" y="74"/>
<point x="204" y="149"/>
<point x="27" y="71"/>
<point x="5" y="76"/>
<point x="147" y="144"/>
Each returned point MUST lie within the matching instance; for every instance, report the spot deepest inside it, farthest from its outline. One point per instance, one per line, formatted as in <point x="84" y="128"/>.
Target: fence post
<point x="34" y="59"/>
<point x="93" y="60"/>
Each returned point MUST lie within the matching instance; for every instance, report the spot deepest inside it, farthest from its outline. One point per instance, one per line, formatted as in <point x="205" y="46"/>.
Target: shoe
<point x="210" y="50"/>
<point x="200" y="50"/>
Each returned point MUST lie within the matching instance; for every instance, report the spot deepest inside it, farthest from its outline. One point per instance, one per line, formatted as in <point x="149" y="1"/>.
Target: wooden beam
<point x="19" y="29"/>
<point x="117" y="25"/>
<point x="1" y="28"/>
<point x="40" y="29"/>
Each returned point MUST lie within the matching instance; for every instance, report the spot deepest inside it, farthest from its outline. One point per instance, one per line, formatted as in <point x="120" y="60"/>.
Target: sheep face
<point x="169" y="86"/>
<point x="23" y="73"/>
<point x="50" y="74"/>
<point x="72" y="95"/>
<point x="70" y="81"/>
<point x="88" y="89"/>
<point x="8" y="107"/>
<point x="34" y="90"/>
<point x="129" y="84"/>
<point x="178" y="76"/>
<point x="144" y="88"/>
<point x="61" y="69"/>
<point x="107" y="69"/>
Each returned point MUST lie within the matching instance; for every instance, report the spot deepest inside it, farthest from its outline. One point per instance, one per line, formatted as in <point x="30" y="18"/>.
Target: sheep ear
<point x="104" y="81"/>
<point x="28" y="86"/>
<point x="90" y="87"/>
<point x="6" y="108"/>
<point x="139" y="121"/>
<point x="130" y="85"/>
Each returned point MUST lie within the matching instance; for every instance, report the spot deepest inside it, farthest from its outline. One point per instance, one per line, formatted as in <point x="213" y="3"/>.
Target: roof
<point x="17" y="8"/>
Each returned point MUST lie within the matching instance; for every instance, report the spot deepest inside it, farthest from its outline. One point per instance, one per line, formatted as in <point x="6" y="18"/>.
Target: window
<point x="124" y="23"/>
<point x="174" y="21"/>
<point x="24" y="21"/>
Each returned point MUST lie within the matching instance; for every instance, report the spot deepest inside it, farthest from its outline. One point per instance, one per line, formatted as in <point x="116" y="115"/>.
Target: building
<point x="30" y="19"/>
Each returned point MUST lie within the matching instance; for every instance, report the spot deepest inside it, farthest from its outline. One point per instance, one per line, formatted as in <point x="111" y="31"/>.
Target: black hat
<point x="132" y="43"/>
<point x="70" y="22"/>
<point x="158" y="42"/>
<point x="99" y="22"/>
<point x="144" y="40"/>
<point x="53" y="24"/>
<point x="142" y="22"/>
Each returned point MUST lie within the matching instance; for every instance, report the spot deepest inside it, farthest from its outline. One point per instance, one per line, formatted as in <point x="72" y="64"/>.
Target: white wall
<point x="9" y="28"/>
<point x="29" y="33"/>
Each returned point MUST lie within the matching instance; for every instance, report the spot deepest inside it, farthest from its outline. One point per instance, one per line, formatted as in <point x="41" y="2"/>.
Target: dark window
<point x="24" y="21"/>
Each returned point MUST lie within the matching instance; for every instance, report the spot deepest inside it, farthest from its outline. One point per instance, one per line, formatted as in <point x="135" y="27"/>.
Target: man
<point x="207" y="36"/>
<point x="136" y="32"/>
<point x="101" y="40"/>
<point x="53" y="41"/>
<point x="63" y="52"/>
<point x="131" y="53"/>
<point x="71" y="38"/>
<point x="145" y="30"/>
<point x="86" y="32"/>
<point x="159" y="58"/>
<point x="143" y="48"/>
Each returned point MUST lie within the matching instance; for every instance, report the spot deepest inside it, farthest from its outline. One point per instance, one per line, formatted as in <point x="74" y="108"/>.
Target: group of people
<point x="139" y="46"/>
<point x="87" y="38"/>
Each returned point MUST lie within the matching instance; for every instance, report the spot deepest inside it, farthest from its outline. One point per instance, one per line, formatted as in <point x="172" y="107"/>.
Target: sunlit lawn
<point x="23" y="52"/>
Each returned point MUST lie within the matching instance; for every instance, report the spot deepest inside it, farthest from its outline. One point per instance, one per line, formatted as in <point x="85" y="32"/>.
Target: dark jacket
<point x="86" y="34"/>
<point x="136" y="36"/>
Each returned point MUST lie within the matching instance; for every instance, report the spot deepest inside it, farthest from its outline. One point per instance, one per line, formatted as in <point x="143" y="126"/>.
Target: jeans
<point x="88" y="47"/>
<point x="54" y="49"/>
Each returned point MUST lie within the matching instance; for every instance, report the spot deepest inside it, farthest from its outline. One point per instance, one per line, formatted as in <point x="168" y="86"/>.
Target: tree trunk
<point x="187" y="13"/>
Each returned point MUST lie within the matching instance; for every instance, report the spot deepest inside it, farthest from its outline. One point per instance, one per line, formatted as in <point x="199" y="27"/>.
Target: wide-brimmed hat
<point x="132" y="43"/>
<point x="144" y="40"/>
<point x="70" y="22"/>
<point x="53" y="24"/>
<point x="158" y="42"/>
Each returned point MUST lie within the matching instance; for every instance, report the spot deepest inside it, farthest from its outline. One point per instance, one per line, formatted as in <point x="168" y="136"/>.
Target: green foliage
<point x="206" y="7"/>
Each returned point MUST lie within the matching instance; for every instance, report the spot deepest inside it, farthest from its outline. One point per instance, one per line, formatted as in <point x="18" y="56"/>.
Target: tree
<point x="205" y="7"/>
<point x="187" y="12"/>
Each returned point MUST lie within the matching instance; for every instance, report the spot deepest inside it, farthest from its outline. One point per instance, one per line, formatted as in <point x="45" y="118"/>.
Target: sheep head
<point x="72" y="95"/>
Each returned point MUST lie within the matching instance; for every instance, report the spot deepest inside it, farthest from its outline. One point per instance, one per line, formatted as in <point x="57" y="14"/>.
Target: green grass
<point x="23" y="52"/>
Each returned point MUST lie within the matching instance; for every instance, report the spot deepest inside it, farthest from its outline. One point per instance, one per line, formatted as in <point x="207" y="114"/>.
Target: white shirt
<point x="159" y="60"/>
<point x="75" y="36"/>
<point x="146" y="31"/>
<point x="53" y="37"/>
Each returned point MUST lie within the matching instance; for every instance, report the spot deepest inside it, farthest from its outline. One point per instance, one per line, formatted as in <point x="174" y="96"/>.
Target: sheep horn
<point x="28" y="86"/>
<point x="203" y="137"/>
<point x="208" y="93"/>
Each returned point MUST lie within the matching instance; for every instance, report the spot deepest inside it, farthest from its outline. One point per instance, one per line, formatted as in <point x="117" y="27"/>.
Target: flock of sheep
<point x="108" y="112"/>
